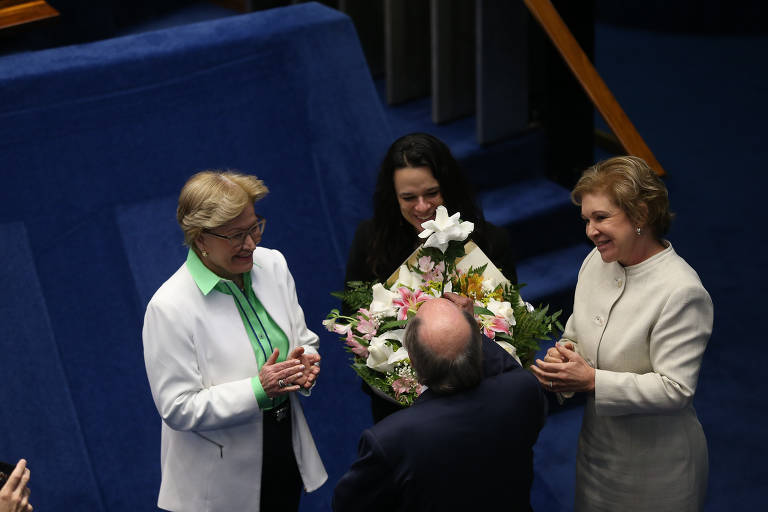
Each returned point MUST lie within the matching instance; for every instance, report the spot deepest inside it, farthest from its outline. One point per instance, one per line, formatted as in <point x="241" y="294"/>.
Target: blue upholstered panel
<point x="96" y="319"/>
<point x="153" y="243"/>
<point x="96" y="141"/>
<point x="285" y="91"/>
<point x="37" y="418"/>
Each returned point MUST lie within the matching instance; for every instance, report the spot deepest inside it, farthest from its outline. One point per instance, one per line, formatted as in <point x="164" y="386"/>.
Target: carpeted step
<point x="550" y="278"/>
<point x="513" y="159"/>
<point x="538" y="214"/>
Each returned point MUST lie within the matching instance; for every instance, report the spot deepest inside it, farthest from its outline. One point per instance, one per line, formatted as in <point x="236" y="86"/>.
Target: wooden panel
<point x="14" y="13"/>
<point x="368" y="17"/>
<point x="236" y="5"/>
<point x="590" y="80"/>
<point x="260" y="5"/>
<point x="406" y="35"/>
<point x="453" y="59"/>
<point x="330" y="3"/>
<point x="502" y="69"/>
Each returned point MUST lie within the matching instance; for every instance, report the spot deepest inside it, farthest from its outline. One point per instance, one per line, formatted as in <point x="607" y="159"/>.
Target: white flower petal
<point x="382" y="301"/>
<point x="399" y="355"/>
<point x="445" y="229"/>
<point x="407" y="278"/>
<point x="394" y="334"/>
<point x="378" y="354"/>
<point x="503" y="310"/>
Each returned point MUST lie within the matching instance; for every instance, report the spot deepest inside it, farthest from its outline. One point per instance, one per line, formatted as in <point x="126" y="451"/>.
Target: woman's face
<point x="224" y="258"/>
<point x="418" y="194"/>
<point x="611" y="230"/>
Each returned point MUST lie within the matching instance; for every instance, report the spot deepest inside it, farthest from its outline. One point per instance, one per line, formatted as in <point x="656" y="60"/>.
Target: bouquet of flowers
<point x="444" y="263"/>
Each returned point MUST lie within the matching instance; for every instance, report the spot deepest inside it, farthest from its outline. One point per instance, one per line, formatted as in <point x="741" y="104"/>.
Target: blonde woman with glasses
<point x="226" y="350"/>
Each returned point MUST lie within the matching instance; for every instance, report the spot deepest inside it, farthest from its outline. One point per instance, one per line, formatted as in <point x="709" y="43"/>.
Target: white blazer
<point x="199" y="362"/>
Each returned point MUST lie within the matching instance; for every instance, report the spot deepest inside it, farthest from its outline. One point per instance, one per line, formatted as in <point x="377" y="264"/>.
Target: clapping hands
<point x="300" y="370"/>
<point x="311" y="362"/>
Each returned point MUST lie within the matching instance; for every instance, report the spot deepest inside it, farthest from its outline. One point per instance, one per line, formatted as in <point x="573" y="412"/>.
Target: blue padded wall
<point x="37" y="417"/>
<point x="96" y="141"/>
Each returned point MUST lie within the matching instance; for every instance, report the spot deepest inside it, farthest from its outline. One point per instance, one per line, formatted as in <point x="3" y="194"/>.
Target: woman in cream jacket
<point x="641" y="321"/>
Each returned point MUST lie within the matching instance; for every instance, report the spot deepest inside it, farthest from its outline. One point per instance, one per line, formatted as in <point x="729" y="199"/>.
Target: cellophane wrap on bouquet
<point x="446" y="262"/>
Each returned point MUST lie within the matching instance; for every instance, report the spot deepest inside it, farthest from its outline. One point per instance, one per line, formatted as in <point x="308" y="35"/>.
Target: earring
<point x="638" y="230"/>
<point x="205" y="253"/>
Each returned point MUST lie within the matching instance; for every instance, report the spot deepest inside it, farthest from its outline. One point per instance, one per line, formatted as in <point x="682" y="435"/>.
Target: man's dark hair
<point x="442" y="374"/>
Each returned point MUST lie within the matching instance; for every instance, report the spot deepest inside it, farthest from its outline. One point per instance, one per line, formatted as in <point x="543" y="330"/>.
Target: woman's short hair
<point x="632" y="186"/>
<point x="212" y="198"/>
<point x="446" y="375"/>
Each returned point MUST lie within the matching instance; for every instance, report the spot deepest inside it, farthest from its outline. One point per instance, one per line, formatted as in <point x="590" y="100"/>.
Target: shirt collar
<point x="205" y="278"/>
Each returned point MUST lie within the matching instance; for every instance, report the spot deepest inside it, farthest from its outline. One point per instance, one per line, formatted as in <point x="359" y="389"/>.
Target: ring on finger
<point x="282" y="383"/>
<point x="550" y="384"/>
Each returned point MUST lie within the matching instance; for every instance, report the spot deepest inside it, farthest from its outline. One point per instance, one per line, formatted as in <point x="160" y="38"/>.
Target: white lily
<point x="407" y="278"/>
<point x="382" y="301"/>
<point x="381" y="357"/>
<point x="503" y="310"/>
<point x="489" y="285"/>
<point x="444" y="229"/>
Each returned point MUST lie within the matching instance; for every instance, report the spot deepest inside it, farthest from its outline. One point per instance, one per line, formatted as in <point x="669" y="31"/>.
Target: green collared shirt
<point x="265" y="335"/>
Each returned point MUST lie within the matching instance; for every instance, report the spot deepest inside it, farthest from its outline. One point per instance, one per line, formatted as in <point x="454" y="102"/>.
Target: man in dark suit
<point x="466" y="443"/>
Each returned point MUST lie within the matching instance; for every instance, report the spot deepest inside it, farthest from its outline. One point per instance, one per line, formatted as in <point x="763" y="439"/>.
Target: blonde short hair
<point x="210" y="199"/>
<point x="632" y="186"/>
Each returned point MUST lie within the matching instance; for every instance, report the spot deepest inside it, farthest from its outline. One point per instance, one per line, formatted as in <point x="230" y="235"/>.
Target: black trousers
<point x="281" y="483"/>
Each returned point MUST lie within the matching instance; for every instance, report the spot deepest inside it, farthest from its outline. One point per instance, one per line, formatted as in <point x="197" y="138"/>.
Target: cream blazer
<point x="199" y="362"/>
<point x="644" y="329"/>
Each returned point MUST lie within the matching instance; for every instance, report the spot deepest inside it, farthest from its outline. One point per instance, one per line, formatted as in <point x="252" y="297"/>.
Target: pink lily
<point x="408" y="300"/>
<point x="342" y="328"/>
<point x="436" y="273"/>
<point x="426" y="264"/>
<point x="493" y="324"/>
<point x="367" y="326"/>
<point x="357" y="349"/>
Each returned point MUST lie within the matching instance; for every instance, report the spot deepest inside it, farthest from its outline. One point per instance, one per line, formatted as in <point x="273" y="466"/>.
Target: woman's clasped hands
<point x="564" y="370"/>
<point x="300" y="370"/>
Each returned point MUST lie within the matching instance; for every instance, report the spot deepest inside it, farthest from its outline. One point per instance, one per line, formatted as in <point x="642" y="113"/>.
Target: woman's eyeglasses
<point x="238" y="239"/>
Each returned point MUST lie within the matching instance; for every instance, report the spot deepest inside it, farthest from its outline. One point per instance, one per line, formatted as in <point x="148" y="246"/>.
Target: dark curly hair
<point x="393" y="236"/>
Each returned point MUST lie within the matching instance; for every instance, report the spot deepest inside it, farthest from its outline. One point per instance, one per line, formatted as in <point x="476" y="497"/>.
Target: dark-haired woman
<point x="417" y="175"/>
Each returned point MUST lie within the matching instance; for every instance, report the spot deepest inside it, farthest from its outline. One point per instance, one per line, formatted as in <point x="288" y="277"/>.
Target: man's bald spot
<point x="444" y="329"/>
